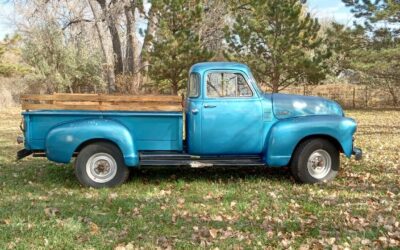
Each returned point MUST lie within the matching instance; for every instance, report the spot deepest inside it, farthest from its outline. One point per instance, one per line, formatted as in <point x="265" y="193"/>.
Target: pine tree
<point x="343" y="41"/>
<point x="378" y="59"/>
<point x="176" y="45"/>
<point x="11" y="68"/>
<point x="380" y="68"/>
<point x="279" y="41"/>
<point x="376" y="10"/>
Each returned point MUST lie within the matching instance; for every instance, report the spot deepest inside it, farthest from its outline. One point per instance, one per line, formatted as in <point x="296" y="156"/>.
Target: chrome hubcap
<point x="319" y="164"/>
<point x="101" y="167"/>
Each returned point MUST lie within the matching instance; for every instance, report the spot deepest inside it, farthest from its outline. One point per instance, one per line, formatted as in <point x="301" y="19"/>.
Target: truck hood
<point x="287" y="106"/>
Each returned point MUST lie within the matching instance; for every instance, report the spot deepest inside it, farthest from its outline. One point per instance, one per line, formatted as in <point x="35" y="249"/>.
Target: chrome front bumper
<point x="358" y="154"/>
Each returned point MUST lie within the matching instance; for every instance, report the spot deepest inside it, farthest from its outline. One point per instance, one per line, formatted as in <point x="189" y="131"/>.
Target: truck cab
<point x="226" y="113"/>
<point x="227" y="120"/>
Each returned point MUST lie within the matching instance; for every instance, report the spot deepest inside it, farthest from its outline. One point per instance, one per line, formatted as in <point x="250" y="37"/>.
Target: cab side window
<point x="194" y="85"/>
<point x="222" y="84"/>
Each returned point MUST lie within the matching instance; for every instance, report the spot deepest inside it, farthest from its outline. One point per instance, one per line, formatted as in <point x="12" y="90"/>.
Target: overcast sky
<point x="323" y="9"/>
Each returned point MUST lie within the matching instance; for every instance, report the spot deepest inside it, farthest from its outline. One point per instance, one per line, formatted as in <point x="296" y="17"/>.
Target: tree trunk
<point x="116" y="42"/>
<point x="275" y="84"/>
<point x="133" y="47"/>
<point x="150" y="34"/>
<point x="103" y="42"/>
<point x="276" y="77"/>
<point x="175" y="88"/>
<point x="128" y="66"/>
<point x="393" y="93"/>
<point x="119" y="66"/>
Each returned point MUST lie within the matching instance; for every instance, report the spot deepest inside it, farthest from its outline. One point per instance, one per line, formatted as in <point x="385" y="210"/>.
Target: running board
<point x="194" y="161"/>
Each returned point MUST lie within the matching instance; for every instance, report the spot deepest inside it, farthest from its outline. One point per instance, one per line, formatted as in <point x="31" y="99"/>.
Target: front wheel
<point x="315" y="160"/>
<point x="101" y="165"/>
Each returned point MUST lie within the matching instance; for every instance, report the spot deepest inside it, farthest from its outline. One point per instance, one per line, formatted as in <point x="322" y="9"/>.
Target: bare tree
<point x="109" y="65"/>
<point x="152" y="24"/>
<point x="111" y="20"/>
<point x="133" y="49"/>
<point x="211" y="29"/>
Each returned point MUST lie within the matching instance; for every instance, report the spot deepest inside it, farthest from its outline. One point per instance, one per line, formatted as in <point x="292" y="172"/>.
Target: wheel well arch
<point x="329" y="138"/>
<point x="96" y="140"/>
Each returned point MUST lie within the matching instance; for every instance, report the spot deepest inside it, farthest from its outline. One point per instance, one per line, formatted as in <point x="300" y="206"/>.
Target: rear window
<point x="194" y="85"/>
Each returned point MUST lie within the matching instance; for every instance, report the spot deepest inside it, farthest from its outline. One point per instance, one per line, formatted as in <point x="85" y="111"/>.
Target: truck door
<point x="193" y="108"/>
<point x="231" y="115"/>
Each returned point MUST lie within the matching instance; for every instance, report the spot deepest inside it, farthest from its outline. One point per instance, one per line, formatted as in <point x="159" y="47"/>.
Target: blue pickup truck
<point x="227" y="121"/>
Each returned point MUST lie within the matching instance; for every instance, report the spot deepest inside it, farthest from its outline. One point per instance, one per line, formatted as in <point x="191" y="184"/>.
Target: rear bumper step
<point x="23" y="153"/>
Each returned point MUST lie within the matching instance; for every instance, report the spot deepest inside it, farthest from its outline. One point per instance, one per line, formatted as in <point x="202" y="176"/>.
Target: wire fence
<point x="348" y="95"/>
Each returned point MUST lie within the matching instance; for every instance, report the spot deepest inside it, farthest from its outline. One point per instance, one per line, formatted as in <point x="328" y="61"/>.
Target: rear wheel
<point x="315" y="160"/>
<point x="101" y="165"/>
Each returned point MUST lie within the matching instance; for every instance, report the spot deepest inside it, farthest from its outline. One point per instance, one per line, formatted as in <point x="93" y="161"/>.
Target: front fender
<point x="285" y="135"/>
<point x="63" y="140"/>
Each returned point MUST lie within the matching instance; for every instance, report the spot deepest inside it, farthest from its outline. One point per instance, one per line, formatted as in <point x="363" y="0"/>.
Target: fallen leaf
<point x="94" y="228"/>
<point x="7" y="221"/>
<point x="120" y="247"/>
<point x="112" y="196"/>
<point x="51" y="211"/>
<point x="213" y="233"/>
<point x="217" y="218"/>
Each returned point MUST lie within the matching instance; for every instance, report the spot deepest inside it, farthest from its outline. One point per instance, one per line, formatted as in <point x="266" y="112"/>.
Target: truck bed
<point x="150" y="130"/>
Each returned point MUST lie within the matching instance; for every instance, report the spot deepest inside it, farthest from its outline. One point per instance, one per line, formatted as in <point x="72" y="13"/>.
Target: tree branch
<point x="76" y="21"/>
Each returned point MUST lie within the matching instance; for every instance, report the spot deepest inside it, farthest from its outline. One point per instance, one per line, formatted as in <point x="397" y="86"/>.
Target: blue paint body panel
<point x="287" y="106"/>
<point x="60" y="133"/>
<point x="285" y="135"/>
<point x="266" y="125"/>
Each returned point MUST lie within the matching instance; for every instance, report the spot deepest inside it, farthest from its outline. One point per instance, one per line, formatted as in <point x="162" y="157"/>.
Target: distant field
<point x="42" y="205"/>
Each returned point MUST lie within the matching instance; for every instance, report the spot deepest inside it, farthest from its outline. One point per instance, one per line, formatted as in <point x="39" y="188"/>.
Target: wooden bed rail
<point x="101" y="102"/>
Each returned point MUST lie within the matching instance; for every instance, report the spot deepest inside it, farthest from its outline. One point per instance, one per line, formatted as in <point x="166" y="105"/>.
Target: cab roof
<point x="204" y="66"/>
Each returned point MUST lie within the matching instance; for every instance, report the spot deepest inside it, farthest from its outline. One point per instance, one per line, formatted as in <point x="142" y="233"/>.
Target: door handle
<point x="209" y="106"/>
<point x="195" y="111"/>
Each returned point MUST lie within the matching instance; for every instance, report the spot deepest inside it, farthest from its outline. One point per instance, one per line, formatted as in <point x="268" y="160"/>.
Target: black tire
<point x="118" y="174"/>
<point x="320" y="149"/>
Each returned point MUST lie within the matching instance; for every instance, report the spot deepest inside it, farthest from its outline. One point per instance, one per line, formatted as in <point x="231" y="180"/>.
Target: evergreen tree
<point x="376" y="10"/>
<point x="7" y="68"/>
<point x="279" y="41"/>
<point x="176" y="45"/>
<point x="378" y="59"/>
<point x="380" y="68"/>
<point x="343" y="41"/>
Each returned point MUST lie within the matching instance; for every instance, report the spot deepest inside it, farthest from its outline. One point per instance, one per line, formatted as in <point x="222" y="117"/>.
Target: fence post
<point x="366" y="96"/>
<point x="354" y="97"/>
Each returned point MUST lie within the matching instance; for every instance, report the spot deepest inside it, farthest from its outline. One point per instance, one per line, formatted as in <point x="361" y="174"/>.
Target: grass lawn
<point x="43" y="206"/>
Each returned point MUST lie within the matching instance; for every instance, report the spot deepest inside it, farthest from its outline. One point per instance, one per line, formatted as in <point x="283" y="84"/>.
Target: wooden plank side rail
<point x="101" y="102"/>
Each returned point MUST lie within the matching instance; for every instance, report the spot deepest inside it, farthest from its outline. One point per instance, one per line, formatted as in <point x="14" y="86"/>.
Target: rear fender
<point x="63" y="140"/>
<point x="286" y="134"/>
